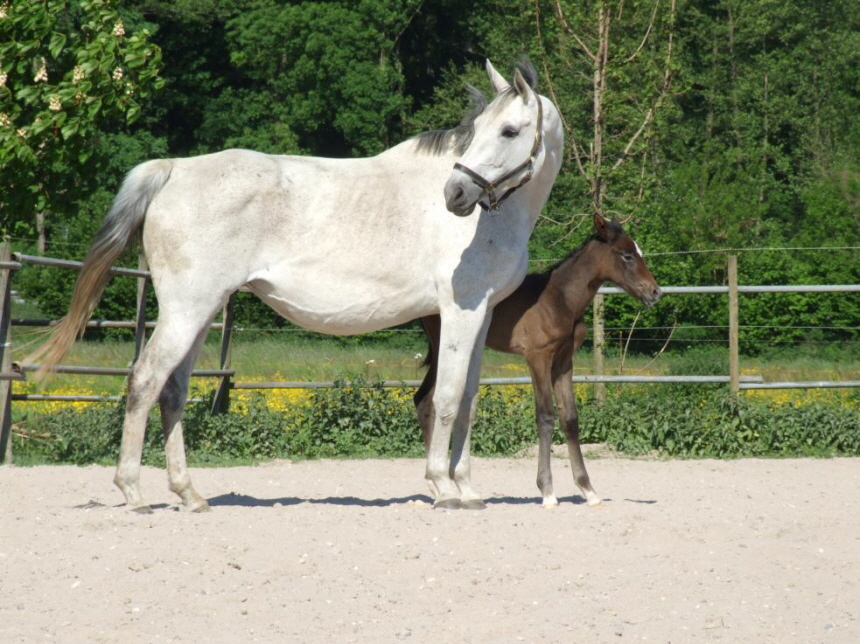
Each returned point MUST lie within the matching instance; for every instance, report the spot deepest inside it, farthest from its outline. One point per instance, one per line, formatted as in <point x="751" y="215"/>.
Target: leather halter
<point x="490" y="187"/>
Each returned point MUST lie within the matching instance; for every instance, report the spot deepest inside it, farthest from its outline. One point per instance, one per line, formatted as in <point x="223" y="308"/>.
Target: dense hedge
<point x="365" y="419"/>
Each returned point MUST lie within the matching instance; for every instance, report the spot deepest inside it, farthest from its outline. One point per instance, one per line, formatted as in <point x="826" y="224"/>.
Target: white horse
<point x="340" y="246"/>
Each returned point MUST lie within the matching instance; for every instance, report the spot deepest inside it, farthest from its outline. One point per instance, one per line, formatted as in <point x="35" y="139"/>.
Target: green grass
<point x="281" y="357"/>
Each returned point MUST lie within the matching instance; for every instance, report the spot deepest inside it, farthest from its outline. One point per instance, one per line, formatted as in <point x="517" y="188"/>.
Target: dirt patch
<point x="351" y="551"/>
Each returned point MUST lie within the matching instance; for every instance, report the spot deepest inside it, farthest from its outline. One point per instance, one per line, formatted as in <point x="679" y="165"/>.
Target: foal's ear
<point x="521" y="85"/>
<point x="498" y="81"/>
<point x="601" y="227"/>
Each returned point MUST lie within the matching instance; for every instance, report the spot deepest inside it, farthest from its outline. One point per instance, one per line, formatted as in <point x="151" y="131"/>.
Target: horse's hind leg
<point x="170" y="343"/>
<point x="172" y="403"/>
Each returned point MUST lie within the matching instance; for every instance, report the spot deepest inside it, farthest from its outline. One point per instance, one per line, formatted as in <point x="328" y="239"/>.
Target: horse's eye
<point x="510" y="132"/>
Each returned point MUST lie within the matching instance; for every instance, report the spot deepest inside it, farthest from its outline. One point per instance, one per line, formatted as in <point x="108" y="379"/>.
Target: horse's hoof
<point x="197" y="507"/>
<point x="474" y="504"/>
<point x="142" y="509"/>
<point x="448" y="504"/>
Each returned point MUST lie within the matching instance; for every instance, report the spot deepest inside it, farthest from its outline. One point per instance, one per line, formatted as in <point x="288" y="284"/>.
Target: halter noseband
<point x="490" y="186"/>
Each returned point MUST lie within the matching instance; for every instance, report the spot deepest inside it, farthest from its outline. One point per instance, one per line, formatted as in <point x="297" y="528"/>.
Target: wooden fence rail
<point x="10" y="262"/>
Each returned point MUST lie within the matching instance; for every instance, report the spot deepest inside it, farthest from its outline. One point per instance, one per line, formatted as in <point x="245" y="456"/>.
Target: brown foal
<point x="543" y="321"/>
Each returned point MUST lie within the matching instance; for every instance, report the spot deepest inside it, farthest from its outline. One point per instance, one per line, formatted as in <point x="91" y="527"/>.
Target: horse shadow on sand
<point x="232" y="499"/>
<point x="243" y="500"/>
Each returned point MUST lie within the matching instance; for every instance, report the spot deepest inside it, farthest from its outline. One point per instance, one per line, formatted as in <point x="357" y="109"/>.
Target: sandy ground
<point x="350" y="551"/>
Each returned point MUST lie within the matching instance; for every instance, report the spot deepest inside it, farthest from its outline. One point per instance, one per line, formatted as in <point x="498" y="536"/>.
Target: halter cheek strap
<point x="490" y="187"/>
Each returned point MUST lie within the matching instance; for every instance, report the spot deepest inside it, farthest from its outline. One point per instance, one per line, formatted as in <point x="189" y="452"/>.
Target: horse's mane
<point x="437" y="142"/>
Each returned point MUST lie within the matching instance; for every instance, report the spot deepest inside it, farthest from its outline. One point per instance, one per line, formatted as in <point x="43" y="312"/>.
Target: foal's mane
<point x="438" y="142"/>
<point x="614" y="226"/>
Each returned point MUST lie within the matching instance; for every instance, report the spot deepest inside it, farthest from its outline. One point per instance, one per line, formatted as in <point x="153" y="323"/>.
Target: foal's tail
<point x="123" y="220"/>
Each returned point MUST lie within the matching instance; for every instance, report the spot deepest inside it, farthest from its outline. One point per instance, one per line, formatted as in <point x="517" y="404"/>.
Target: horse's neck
<point x="578" y="279"/>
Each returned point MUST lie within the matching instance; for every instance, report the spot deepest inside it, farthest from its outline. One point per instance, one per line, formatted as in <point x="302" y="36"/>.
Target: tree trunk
<point x="40" y="231"/>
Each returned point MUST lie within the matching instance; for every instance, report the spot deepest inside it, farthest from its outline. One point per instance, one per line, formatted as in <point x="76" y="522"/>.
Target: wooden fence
<point x="9" y="263"/>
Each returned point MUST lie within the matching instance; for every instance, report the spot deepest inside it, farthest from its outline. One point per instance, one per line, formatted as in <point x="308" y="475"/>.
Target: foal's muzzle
<point x="651" y="295"/>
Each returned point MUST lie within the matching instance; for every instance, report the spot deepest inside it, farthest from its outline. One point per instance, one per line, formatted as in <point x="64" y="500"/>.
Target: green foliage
<point x="357" y="418"/>
<point x="67" y="70"/>
<point x="753" y="146"/>
<point x="699" y="423"/>
<point x="503" y="426"/>
<point x="364" y="419"/>
<point x="257" y="434"/>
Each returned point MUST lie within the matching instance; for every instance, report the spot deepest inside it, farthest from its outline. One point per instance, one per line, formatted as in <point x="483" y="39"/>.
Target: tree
<point x="67" y="70"/>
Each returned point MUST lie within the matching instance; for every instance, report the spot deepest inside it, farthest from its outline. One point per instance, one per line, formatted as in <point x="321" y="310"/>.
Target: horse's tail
<point x="124" y="219"/>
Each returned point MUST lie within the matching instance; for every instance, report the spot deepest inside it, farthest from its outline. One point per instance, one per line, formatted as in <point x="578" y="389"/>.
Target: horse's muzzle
<point x="461" y="196"/>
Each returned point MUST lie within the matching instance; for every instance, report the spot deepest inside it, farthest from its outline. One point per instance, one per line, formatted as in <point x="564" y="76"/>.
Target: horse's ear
<point x="601" y="227"/>
<point x="521" y="85"/>
<point x="498" y="81"/>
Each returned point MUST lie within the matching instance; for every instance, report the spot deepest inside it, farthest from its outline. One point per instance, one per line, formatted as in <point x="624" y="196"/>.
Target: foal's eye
<point x="627" y="257"/>
<point x="510" y="132"/>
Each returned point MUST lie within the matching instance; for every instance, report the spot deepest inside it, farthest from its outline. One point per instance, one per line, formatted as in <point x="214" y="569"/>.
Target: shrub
<point x="361" y="419"/>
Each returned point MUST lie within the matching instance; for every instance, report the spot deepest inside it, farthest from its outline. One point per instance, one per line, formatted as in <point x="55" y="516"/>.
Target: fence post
<point x="734" y="339"/>
<point x="140" y="318"/>
<point x="221" y="403"/>
<point x="597" y="354"/>
<point x="5" y="356"/>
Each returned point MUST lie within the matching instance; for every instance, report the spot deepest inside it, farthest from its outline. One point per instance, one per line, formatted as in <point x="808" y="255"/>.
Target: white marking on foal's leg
<point x="591" y="497"/>
<point x="550" y="502"/>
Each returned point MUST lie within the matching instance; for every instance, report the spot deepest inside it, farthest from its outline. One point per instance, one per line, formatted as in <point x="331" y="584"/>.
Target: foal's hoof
<point x="448" y="504"/>
<point x="550" y="502"/>
<point x="474" y="504"/>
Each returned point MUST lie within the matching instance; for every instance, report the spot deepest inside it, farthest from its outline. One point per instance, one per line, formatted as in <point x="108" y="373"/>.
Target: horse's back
<point x="332" y="244"/>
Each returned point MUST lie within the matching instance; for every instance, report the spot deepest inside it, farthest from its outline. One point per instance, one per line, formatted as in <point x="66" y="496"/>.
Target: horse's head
<point x="623" y="264"/>
<point x="506" y="148"/>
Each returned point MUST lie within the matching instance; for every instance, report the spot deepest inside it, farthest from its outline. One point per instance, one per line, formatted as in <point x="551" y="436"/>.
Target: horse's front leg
<point x="540" y="365"/>
<point x="454" y="399"/>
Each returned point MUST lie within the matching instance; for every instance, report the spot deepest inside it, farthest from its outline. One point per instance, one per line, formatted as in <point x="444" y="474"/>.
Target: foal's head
<point x="620" y="261"/>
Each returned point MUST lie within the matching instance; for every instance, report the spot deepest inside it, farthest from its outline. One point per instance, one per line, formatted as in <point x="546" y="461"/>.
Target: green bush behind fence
<point x="364" y="419"/>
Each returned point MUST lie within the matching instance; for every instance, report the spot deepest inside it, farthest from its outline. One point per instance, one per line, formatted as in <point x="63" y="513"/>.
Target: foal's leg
<point x="569" y="417"/>
<point x="459" y="366"/>
<point x="423" y="398"/>
<point x="540" y="365"/>
<point x="172" y="403"/>
<point x="170" y="343"/>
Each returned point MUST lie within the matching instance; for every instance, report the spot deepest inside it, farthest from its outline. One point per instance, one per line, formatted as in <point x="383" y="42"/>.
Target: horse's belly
<point x="331" y="308"/>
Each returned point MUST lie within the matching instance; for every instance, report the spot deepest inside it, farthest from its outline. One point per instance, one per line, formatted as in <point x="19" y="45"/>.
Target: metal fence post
<point x="5" y="357"/>
<point x="597" y="354"/>
<point x="734" y="339"/>
<point x="221" y="402"/>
